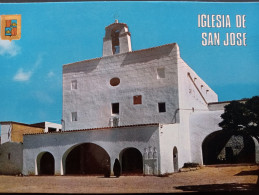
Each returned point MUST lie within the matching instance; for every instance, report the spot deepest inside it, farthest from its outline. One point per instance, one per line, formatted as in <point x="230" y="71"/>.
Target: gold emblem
<point x="10" y="27"/>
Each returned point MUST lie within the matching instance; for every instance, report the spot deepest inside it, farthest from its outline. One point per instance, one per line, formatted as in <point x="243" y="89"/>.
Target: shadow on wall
<point x="223" y="147"/>
<point x="86" y="66"/>
<point x="149" y="55"/>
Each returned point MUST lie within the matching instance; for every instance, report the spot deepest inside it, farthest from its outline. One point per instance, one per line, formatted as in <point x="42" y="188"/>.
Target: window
<point x="137" y="99"/>
<point x="74" y="116"/>
<point x="160" y="73"/>
<point x="9" y="156"/>
<point x="161" y="107"/>
<point x="114" y="81"/>
<point x="74" y="84"/>
<point x="115" y="108"/>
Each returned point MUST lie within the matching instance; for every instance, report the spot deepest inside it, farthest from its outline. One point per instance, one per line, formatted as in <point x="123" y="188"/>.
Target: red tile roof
<point x="100" y="128"/>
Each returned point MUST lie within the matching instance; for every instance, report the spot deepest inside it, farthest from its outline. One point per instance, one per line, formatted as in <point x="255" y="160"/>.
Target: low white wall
<point x="52" y="125"/>
<point x="11" y="158"/>
<point x="112" y="140"/>
<point x="201" y="125"/>
<point x="175" y="135"/>
<point x="168" y="135"/>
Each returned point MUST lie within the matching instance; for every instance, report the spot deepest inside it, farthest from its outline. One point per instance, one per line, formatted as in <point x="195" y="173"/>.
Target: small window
<point x="74" y="116"/>
<point x="160" y="73"/>
<point x="137" y="99"/>
<point x="9" y="156"/>
<point x="161" y="107"/>
<point x="114" y="81"/>
<point x="115" y="108"/>
<point x="74" y="84"/>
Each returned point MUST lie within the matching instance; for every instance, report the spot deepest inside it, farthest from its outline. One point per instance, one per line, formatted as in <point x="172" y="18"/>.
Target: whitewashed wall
<point x="201" y="125"/>
<point x="169" y="138"/>
<point x="194" y="96"/>
<point x="6" y="129"/>
<point x="11" y="158"/>
<point x="113" y="141"/>
<point x="138" y="76"/>
<point x="52" y="125"/>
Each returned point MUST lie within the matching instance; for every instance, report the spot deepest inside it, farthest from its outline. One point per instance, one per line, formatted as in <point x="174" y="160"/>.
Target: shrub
<point x="190" y="165"/>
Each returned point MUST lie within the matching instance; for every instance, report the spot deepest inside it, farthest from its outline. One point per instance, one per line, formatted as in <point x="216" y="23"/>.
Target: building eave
<point x="92" y="129"/>
<point x="13" y="122"/>
<point x="224" y="102"/>
<point x="103" y="57"/>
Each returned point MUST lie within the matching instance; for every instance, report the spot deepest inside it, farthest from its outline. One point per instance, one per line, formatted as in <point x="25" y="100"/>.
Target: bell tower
<point x="117" y="39"/>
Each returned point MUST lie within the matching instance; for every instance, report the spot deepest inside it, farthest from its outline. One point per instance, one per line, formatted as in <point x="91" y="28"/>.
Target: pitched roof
<point x="136" y="51"/>
<point x="13" y="122"/>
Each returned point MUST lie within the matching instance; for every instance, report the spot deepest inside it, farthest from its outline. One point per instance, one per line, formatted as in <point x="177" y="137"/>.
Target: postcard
<point x="128" y="96"/>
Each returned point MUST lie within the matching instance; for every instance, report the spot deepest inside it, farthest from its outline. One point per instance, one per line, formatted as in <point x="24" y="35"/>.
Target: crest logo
<point x="10" y="27"/>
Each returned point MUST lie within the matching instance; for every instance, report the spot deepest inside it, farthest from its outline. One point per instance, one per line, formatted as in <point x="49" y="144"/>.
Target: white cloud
<point x="9" y="48"/>
<point x="22" y="76"/>
<point x="38" y="62"/>
<point x="51" y="74"/>
<point x="43" y="97"/>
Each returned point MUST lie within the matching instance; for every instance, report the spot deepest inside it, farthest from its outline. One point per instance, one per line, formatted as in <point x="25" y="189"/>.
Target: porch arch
<point x="45" y="164"/>
<point x="222" y="147"/>
<point x="85" y="159"/>
<point x="131" y="161"/>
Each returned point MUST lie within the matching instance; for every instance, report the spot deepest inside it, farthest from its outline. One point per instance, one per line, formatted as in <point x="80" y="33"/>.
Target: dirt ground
<point x="209" y="178"/>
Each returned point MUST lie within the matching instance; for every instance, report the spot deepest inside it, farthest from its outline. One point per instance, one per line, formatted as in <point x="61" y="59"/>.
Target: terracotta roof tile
<point x="99" y="128"/>
<point x="13" y="122"/>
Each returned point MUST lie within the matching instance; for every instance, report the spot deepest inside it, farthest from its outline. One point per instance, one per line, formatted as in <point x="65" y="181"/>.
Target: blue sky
<point x="54" y="34"/>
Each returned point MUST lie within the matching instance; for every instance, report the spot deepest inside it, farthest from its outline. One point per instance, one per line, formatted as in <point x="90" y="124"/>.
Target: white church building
<point x="146" y="108"/>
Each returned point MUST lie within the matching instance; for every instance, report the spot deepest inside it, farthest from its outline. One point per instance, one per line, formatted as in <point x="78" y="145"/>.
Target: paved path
<point x="219" y="178"/>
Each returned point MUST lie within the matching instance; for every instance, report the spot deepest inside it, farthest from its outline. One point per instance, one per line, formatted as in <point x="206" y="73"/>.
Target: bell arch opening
<point x="115" y="41"/>
<point x="87" y="159"/>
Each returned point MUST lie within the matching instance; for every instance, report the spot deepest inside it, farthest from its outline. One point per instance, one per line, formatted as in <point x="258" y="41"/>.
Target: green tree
<point x="241" y="118"/>
<point x="252" y="106"/>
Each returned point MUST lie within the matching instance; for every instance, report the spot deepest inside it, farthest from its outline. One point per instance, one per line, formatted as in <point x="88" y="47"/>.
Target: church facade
<point x="146" y="108"/>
